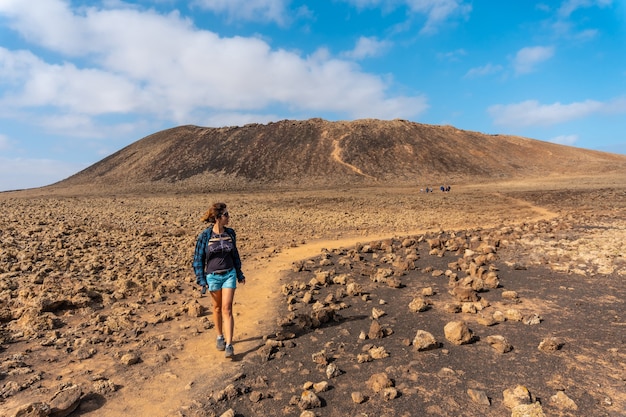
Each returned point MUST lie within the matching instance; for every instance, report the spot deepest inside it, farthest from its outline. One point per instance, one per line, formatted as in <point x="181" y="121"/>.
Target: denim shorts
<point x="218" y="281"/>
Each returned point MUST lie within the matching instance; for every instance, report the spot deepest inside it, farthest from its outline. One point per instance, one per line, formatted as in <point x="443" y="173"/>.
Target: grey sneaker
<point x="230" y="351"/>
<point x="221" y="343"/>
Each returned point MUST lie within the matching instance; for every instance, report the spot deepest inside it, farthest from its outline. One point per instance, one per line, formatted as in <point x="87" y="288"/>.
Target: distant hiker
<point x="442" y="188"/>
<point x="217" y="265"/>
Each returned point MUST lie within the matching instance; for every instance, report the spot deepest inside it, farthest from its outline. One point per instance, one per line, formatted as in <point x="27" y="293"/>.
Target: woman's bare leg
<point x="228" y="294"/>
<point x="216" y="296"/>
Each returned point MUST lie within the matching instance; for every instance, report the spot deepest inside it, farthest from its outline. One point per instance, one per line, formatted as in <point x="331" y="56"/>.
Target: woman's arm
<point x="199" y="258"/>
<point x="236" y="258"/>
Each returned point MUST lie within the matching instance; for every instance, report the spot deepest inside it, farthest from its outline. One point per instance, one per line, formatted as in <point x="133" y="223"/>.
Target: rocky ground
<point x="438" y="325"/>
<point x="481" y="301"/>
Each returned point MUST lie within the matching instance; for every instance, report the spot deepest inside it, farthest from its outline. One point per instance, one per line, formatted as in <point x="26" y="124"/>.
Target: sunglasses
<point x="224" y="214"/>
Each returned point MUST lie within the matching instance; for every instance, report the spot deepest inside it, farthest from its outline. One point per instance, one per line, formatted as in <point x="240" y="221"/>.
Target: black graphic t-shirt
<point x="219" y="252"/>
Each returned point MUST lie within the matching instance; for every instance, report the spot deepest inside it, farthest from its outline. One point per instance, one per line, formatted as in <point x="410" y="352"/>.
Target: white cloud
<point x="238" y="119"/>
<point x="452" y="56"/>
<point x="543" y="7"/>
<point x="436" y="11"/>
<point x="531" y="113"/>
<point x="568" y="140"/>
<point x="250" y="10"/>
<point x="616" y="106"/>
<point x="88" y="91"/>
<point x="527" y="58"/>
<point x="570" y="6"/>
<point x="368" y="47"/>
<point x="483" y="71"/>
<point x="4" y="142"/>
<point x="22" y="173"/>
<point x="128" y="61"/>
<point x="567" y="26"/>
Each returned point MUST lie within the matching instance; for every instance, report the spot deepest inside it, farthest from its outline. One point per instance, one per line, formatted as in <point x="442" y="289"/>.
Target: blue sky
<point x="81" y="79"/>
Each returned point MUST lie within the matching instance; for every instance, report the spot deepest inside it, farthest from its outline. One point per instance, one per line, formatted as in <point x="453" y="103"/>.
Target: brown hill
<point x="316" y="152"/>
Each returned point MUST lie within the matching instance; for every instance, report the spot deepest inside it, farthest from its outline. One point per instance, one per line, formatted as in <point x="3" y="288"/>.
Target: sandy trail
<point x="199" y="368"/>
<point x="336" y="155"/>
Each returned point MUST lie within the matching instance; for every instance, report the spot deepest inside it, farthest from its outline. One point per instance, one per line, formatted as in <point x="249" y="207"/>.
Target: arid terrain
<point x="502" y="297"/>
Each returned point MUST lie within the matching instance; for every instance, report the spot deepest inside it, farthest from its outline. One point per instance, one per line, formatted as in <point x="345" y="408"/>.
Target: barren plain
<point x="100" y="315"/>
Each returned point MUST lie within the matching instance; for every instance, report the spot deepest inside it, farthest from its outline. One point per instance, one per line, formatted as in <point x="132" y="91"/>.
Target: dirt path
<point x="336" y="155"/>
<point x="541" y="212"/>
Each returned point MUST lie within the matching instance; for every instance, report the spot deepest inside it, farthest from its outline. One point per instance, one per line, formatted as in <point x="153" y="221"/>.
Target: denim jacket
<point x="199" y="256"/>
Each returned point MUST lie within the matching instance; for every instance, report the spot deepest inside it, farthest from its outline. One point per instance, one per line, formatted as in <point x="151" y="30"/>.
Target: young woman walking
<point x="217" y="266"/>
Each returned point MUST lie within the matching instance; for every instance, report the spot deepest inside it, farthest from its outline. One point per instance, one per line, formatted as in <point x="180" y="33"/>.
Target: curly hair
<point x="215" y="212"/>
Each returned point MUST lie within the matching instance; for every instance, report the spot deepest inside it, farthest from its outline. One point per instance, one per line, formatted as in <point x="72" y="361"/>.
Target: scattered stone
<point x="532" y="319"/>
<point x="418" y="304"/>
<point x="499" y="316"/>
<point x="65" y="401"/>
<point x="255" y="396"/>
<point x="381" y="275"/>
<point x="486" y="320"/>
<point x="492" y="281"/>
<point x="322" y="277"/>
<point x="479" y="397"/>
<point x="513" y="314"/>
<point x="130" y="359"/>
<point x="468" y="308"/>
<point x="321" y="386"/>
<point x="307" y="298"/>
<point x="408" y="242"/>
<point x="320" y="358"/>
<point x="358" y="397"/>
<point x="195" y="309"/>
<point x="363" y="358"/>
<point x="265" y="353"/>
<point x="308" y="400"/>
<point x="424" y="341"/>
<point x="428" y="292"/>
<point x="354" y="289"/>
<point x="378" y="352"/>
<point x="561" y="401"/>
<point x="340" y="279"/>
<point x="509" y="295"/>
<point x="528" y="410"/>
<point x="390" y="393"/>
<point x="379" y="382"/>
<point x="550" y="344"/>
<point x="516" y="396"/>
<point x="464" y="294"/>
<point x="458" y="333"/>
<point x="394" y="282"/>
<point x="376" y="330"/>
<point x="104" y="387"/>
<point x="333" y="371"/>
<point x="377" y="313"/>
<point x="499" y="343"/>
<point x="229" y="393"/>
